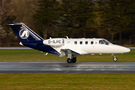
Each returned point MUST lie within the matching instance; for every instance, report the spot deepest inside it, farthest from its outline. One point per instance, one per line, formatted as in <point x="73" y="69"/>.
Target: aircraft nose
<point x="121" y="49"/>
<point x="125" y="50"/>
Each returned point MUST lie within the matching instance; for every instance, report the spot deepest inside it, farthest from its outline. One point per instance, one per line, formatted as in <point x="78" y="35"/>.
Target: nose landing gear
<point x="114" y="58"/>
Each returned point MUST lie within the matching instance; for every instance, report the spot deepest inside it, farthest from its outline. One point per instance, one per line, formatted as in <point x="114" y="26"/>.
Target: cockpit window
<point x="106" y="42"/>
<point x="103" y="42"/>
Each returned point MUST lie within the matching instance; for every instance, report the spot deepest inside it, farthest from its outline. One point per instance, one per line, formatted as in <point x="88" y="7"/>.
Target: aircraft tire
<point x="115" y="59"/>
<point x="69" y="60"/>
<point x="74" y="60"/>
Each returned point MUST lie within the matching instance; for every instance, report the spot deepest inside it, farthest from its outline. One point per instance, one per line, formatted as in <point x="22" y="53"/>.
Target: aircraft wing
<point x="65" y="52"/>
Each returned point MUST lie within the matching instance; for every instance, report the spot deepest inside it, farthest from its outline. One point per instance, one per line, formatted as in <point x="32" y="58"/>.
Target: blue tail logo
<point x="24" y="33"/>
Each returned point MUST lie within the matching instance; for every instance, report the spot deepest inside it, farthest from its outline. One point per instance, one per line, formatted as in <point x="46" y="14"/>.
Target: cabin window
<point x="86" y="42"/>
<point x="92" y="42"/>
<point x="81" y="42"/>
<point x="75" y="42"/>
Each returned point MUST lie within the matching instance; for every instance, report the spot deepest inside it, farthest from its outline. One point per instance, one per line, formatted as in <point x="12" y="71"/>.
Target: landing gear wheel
<point x="69" y="60"/>
<point x="74" y="60"/>
<point x="115" y="59"/>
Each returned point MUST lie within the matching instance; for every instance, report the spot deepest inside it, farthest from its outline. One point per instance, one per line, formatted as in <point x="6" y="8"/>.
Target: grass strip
<point x="105" y="81"/>
<point x="31" y="55"/>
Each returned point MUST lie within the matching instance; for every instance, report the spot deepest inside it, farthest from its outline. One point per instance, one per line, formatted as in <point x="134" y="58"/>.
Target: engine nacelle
<point x="54" y="42"/>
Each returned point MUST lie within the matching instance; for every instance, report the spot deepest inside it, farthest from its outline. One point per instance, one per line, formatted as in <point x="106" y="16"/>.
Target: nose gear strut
<point x="114" y="58"/>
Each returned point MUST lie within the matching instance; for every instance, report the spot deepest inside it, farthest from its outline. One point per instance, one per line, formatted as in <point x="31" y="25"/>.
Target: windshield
<point x="103" y="42"/>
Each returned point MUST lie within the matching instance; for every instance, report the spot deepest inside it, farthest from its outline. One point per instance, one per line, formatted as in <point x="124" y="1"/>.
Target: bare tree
<point x="5" y="16"/>
<point x="2" y="16"/>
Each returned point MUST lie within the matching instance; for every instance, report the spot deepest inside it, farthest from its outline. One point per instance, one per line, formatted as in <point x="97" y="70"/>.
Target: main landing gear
<point x="73" y="60"/>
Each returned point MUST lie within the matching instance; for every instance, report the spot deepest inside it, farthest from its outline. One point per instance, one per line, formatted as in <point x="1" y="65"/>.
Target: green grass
<point x="106" y="81"/>
<point x="31" y="55"/>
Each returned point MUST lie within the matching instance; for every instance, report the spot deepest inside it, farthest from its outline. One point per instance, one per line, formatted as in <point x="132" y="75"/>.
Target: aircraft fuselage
<point x="86" y="46"/>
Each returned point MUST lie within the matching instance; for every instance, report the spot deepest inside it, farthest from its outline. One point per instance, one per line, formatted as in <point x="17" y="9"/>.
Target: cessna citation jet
<point x="71" y="48"/>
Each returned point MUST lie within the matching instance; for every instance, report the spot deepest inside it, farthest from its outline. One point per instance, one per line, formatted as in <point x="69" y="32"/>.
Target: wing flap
<point x="64" y="52"/>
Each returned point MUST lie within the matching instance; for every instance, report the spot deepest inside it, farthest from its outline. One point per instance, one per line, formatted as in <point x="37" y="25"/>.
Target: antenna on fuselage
<point x="67" y="37"/>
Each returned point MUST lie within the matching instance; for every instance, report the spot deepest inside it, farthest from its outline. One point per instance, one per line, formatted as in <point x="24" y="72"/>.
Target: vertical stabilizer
<point x="24" y="33"/>
<point x="29" y="38"/>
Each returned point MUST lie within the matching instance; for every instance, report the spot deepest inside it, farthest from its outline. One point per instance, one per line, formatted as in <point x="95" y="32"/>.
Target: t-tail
<point x="30" y="39"/>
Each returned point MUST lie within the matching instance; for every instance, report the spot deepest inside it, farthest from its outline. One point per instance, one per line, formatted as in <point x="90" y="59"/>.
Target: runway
<point x="63" y="67"/>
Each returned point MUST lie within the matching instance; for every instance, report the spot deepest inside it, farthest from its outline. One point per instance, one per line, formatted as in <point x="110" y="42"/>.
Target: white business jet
<point x="69" y="47"/>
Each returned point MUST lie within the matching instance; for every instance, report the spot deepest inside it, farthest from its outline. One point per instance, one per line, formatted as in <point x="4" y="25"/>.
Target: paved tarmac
<point x="63" y="67"/>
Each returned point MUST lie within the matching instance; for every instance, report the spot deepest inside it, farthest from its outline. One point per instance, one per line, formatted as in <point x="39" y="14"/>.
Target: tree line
<point x="110" y="19"/>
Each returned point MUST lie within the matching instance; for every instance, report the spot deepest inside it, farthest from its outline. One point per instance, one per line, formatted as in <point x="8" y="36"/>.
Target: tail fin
<point x="30" y="39"/>
<point x="24" y="33"/>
